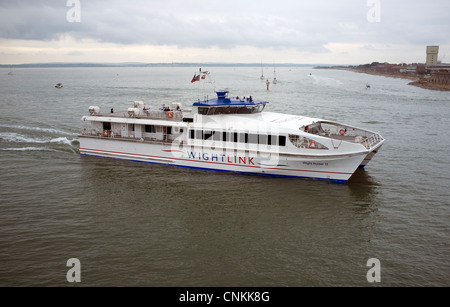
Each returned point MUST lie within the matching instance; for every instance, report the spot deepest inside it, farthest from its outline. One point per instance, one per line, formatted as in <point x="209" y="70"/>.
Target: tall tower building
<point x="432" y="55"/>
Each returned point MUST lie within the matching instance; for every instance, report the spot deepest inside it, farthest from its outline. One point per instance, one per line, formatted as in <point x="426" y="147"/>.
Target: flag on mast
<point x="201" y="75"/>
<point x="195" y="78"/>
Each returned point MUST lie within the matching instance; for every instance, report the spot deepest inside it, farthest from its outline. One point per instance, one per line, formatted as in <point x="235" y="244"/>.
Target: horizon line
<point x="143" y="64"/>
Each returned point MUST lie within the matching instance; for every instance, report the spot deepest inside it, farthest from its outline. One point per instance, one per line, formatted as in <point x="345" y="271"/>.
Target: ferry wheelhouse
<point x="230" y="134"/>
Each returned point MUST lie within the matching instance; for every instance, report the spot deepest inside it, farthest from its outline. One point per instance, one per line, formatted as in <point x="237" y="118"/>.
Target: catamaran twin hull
<point x="338" y="168"/>
<point x="232" y="135"/>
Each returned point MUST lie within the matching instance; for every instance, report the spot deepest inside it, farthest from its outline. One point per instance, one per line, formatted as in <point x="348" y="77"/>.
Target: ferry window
<point x="169" y="130"/>
<point x="212" y="111"/>
<point x="235" y="137"/>
<point x="131" y="127"/>
<point x="106" y="126"/>
<point x="181" y="130"/>
<point x="150" y="129"/>
<point x="251" y="109"/>
<point x="207" y="135"/>
<point x="216" y="110"/>
<point x="223" y="110"/>
<point x="282" y="140"/>
<point x="217" y="136"/>
<point x="262" y="139"/>
<point x="243" y="137"/>
<point x="252" y="138"/>
<point x="192" y="134"/>
<point x="203" y="110"/>
<point x="199" y="134"/>
<point x="225" y="136"/>
<point x="231" y="110"/>
<point x="242" y="110"/>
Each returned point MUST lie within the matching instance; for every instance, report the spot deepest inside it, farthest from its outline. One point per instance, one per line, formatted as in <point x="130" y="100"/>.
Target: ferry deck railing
<point x="166" y="138"/>
<point x="371" y="141"/>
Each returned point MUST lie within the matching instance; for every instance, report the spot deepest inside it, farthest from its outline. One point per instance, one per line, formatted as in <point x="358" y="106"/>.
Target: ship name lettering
<point x="220" y="158"/>
<point x="316" y="163"/>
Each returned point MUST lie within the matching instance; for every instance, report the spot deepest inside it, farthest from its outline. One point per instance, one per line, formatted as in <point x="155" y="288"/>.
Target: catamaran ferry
<point x="230" y="134"/>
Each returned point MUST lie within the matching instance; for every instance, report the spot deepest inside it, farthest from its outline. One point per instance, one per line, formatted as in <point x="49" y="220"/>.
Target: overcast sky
<point x="281" y="31"/>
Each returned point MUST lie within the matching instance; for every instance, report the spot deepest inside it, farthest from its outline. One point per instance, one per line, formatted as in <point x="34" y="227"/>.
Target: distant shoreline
<point x="415" y="78"/>
<point x="137" y="64"/>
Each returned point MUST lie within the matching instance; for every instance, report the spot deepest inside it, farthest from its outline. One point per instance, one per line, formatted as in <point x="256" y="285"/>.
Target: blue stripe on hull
<point x="220" y="170"/>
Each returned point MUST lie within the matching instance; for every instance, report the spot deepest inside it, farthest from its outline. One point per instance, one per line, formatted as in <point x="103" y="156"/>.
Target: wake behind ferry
<point x="230" y="134"/>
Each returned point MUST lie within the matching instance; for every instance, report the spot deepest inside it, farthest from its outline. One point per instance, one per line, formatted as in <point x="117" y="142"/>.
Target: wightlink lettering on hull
<point x="221" y="158"/>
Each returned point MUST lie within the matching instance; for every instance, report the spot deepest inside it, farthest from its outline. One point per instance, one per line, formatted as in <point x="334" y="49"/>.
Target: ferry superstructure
<point x="230" y="134"/>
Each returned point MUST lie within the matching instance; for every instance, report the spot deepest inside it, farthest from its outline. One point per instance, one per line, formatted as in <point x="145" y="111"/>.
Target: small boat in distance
<point x="275" y="81"/>
<point x="59" y="85"/>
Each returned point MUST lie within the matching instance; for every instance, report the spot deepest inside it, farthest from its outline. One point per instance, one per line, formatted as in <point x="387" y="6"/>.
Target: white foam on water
<point x="61" y="140"/>
<point x="13" y="137"/>
<point x="28" y="149"/>
<point x="20" y="138"/>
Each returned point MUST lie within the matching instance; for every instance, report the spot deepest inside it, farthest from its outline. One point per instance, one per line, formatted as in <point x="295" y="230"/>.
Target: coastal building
<point x="408" y="69"/>
<point x="440" y="77"/>
<point x="432" y="55"/>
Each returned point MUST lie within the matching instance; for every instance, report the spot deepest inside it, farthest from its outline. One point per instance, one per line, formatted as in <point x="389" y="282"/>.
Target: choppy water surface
<point x="137" y="224"/>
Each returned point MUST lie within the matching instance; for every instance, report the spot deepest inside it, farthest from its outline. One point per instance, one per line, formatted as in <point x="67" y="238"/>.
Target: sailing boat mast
<point x="275" y="81"/>
<point x="262" y="74"/>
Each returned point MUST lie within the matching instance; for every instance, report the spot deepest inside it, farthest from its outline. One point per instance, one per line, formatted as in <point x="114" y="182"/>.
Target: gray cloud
<point x="306" y="26"/>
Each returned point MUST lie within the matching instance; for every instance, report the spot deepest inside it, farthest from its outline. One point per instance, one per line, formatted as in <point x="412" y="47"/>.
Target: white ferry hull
<point x="336" y="168"/>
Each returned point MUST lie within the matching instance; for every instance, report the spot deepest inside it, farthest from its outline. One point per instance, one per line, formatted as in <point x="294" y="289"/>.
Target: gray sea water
<point x="137" y="224"/>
